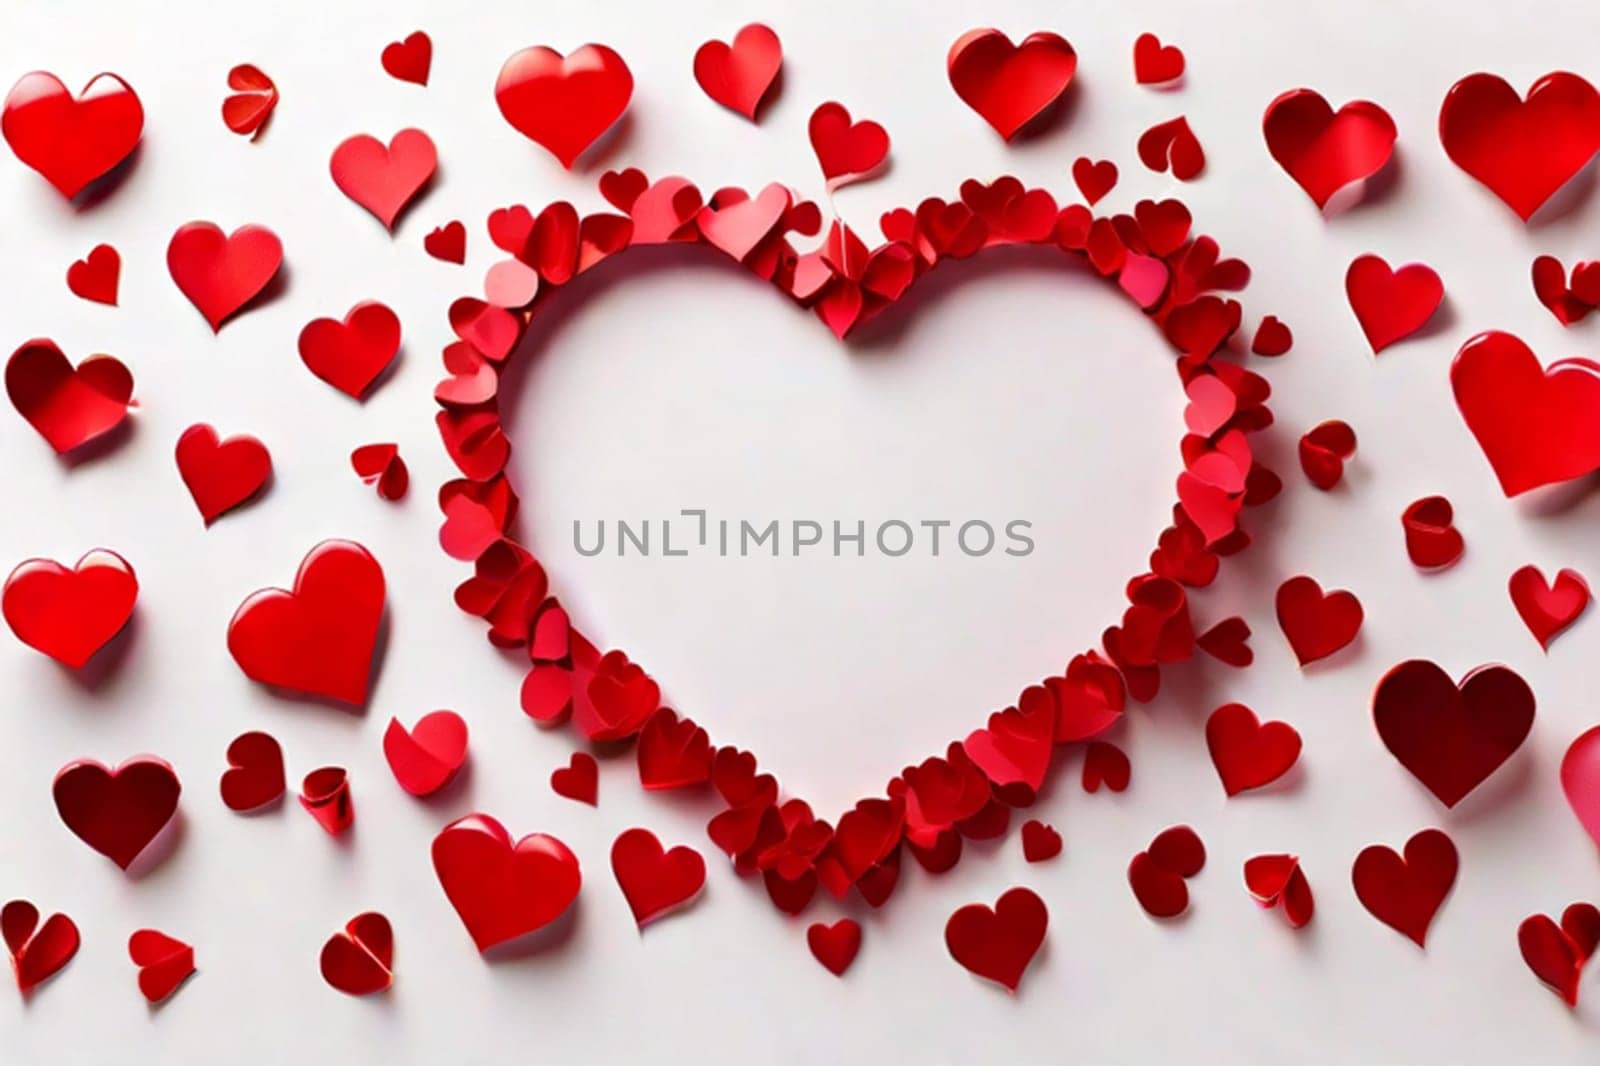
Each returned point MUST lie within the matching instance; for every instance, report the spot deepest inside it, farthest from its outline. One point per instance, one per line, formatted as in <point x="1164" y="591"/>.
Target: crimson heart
<point x="655" y="880"/>
<point x="563" y="104"/>
<point x="1391" y="304"/>
<point x="1094" y="179"/>
<point x="427" y="757"/>
<point x="846" y="150"/>
<point x="1316" y="624"/>
<point x="71" y="141"/>
<point x="447" y="243"/>
<point x="1536" y="425"/>
<point x="94" y="277"/>
<point x="410" y="59"/>
<point x="254" y="777"/>
<point x="221" y="273"/>
<point x="1323" y="451"/>
<point x="1040" y="842"/>
<point x="1106" y="764"/>
<point x="384" y="179"/>
<point x="1405" y="893"/>
<point x="1324" y="150"/>
<point x="1557" y="953"/>
<point x="350" y="355"/>
<point x="1172" y="145"/>
<point x="1010" y="85"/>
<point x="246" y="111"/>
<point x="1432" y="540"/>
<point x="835" y="945"/>
<point x="580" y="779"/>
<point x="1451" y="737"/>
<point x="503" y="891"/>
<point x="70" y="614"/>
<point x="998" y="943"/>
<point x="1523" y="150"/>
<point x="381" y="464"/>
<point x="1548" y="609"/>
<point x="738" y="76"/>
<point x="221" y="474"/>
<point x="68" y="406"/>
<point x="117" y="812"/>
<point x="1246" y="753"/>
<point x="36" y="951"/>
<point x="1550" y="286"/>
<point x="359" y="959"/>
<point x="1274" y="879"/>
<point x="319" y="638"/>
<point x="164" y="962"/>
<point x="1155" y="63"/>
<point x="325" y="795"/>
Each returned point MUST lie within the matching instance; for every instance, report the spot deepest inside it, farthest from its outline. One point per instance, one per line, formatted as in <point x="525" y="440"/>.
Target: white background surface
<point x="1019" y="395"/>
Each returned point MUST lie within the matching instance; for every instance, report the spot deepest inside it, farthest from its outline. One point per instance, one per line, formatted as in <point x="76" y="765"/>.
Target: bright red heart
<point x="1180" y="850"/>
<point x="580" y="780"/>
<point x="359" y="959"/>
<point x="1010" y="85"/>
<point x="1105" y="763"/>
<point x="254" y="777"/>
<point x="1432" y="540"/>
<point x="739" y="76"/>
<point x="117" y="812"/>
<point x="1247" y="753"/>
<point x="503" y="891"/>
<point x="325" y="795"/>
<point x="164" y="962"/>
<point x="1536" y="425"/>
<point x="37" y="952"/>
<point x="1040" y="842"/>
<point x="1391" y="304"/>
<point x="70" y="614"/>
<point x="350" y="355"/>
<point x="410" y="59"/>
<point x="94" y="277"/>
<point x="68" y="406"/>
<point x="653" y="880"/>
<point x="221" y="474"/>
<point x="319" y="638"/>
<point x="998" y="943"/>
<point x="447" y="243"/>
<point x="220" y="274"/>
<point x="1316" y="624"/>
<point x="1557" y="953"/>
<point x="384" y="180"/>
<point x="425" y="759"/>
<point x="1548" y="609"/>
<point x="1405" y="893"/>
<point x="1523" y="150"/>
<point x="1323" y="451"/>
<point x="835" y="945"/>
<point x="1172" y="145"/>
<point x="1274" y="879"/>
<point x="563" y="105"/>
<point x="847" y="151"/>
<point x="1094" y="179"/>
<point x="1580" y="780"/>
<point x="381" y="464"/>
<point x="1451" y="738"/>
<point x="1322" y="150"/>
<point x="71" y="141"/>
<point x="253" y="101"/>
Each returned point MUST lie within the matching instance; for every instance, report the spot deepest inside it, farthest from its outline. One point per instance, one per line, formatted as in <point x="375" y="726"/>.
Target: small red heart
<point x="1522" y="150"/>
<point x="1172" y="145"/>
<point x="325" y="795"/>
<point x="426" y="758"/>
<point x="1228" y="641"/>
<point x="70" y="614"/>
<point x="247" y="110"/>
<point x="835" y="945"/>
<point x="1155" y="63"/>
<point x="503" y="891"/>
<point x="1323" y="451"/>
<point x="71" y="141"/>
<point x="1040" y="842"/>
<point x="847" y="151"/>
<point x="1105" y="763"/>
<point x="1094" y="178"/>
<point x="1247" y="753"/>
<point x="220" y="274"/>
<point x="998" y="943"/>
<point x="381" y="464"/>
<point x="580" y="780"/>
<point x="117" y="812"/>
<point x="739" y="76"/>
<point x="254" y="777"/>
<point x="221" y="474"/>
<point x="1405" y="893"/>
<point x="384" y="179"/>
<point x="94" y="277"/>
<point x="1274" y="879"/>
<point x="1548" y="609"/>
<point x="359" y="959"/>
<point x="1316" y="624"/>
<point x="1323" y="150"/>
<point x="1432" y="540"/>
<point x="1272" y="337"/>
<point x="164" y="963"/>
<point x="1580" y="780"/>
<point x="655" y="881"/>
<point x="1009" y="85"/>
<point x="447" y="243"/>
<point x="563" y="104"/>
<point x="69" y="406"/>
<point x="350" y="355"/>
<point x="1391" y="304"/>
<point x="319" y="638"/>
<point x="37" y="952"/>
<point x="1557" y="953"/>
<point x="1452" y="737"/>
<point x="1550" y="286"/>
<point x="410" y="59"/>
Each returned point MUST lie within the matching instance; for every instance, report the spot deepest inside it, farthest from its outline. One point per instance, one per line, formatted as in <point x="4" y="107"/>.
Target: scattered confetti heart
<point x="1275" y="879"/>
<point x="653" y="880"/>
<point x="69" y="406"/>
<point x="325" y="795"/>
<point x="503" y="891"/>
<point x="94" y="277"/>
<point x="70" y="614"/>
<point x="1391" y="304"/>
<point x="1580" y="780"/>
<point x="1272" y="338"/>
<point x="381" y="464"/>
<point x="835" y="945"/>
<point x="1557" y="953"/>
<point x="220" y="274"/>
<point x="447" y="243"/>
<point x="1094" y="178"/>
<point x="1040" y="842"/>
<point x="739" y="76"/>
<point x="1172" y="145"/>
<point x="1105" y="763"/>
<point x="1432" y="540"/>
<point x="71" y="141"/>
<point x="1326" y="151"/>
<point x="998" y="943"/>
<point x="1324" y="450"/>
<point x="37" y="952"/>
<point x="1158" y="874"/>
<point x="563" y="104"/>
<point x="424" y="759"/>
<point x="253" y="100"/>
<point x="384" y="180"/>
<point x="255" y="776"/>
<point x="117" y="812"/>
<point x="352" y="354"/>
<point x="1317" y="624"/>
<point x="1155" y="63"/>
<point x="410" y="59"/>
<point x="1405" y="893"/>
<point x="1548" y="609"/>
<point x="580" y="780"/>
<point x="847" y="151"/>
<point x="1247" y="753"/>
<point x="1228" y="641"/>
<point x="359" y="959"/>
<point x="1009" y="85"/>
<point x="221" y="474"/>
<point x="164" y="962"/>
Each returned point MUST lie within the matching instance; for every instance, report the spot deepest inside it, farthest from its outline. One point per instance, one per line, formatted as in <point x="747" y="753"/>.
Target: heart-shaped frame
<point x="971" y="789"/>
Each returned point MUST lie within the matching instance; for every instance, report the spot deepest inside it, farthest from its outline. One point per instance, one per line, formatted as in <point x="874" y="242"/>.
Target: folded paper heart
<point x="164" y="963"/>
<point x="1155" y="63"/>
<point x="359" y="959"/>
<point x="1316" y="624"/>
<point x="1247" y="753"/>
<point x="1158" y="874"/>
<point x="94" y="277"/>
<point x="70" y="614"/>
<point x="1405" y="893"/>
<point x="998" y="943"/>
<point x="69" y="406"/>
<point x="1278" y="879"/>
<point x="254" y="98"/>
<point x="221" y="273"/>
<point x="1106" y="764"/>
<point x="410" y="59"/>
<point x="654" y="880"/>
<point x="325" y="795"/>
<point x="1557" y="954"/>
<point x="738" y="76"/>
<point x="1040" y="842"/>
<point x="563" y="104"/>
<point x="426" y="757"/>
<point x="1391" y="304"/>
<point x="1324" y="150"/>
<point x="1094" y="178"/>
<point x="836" y="945"/>
<point x="255" y="775"/>
<point x="221" y="474"/>
<point x="37" y="951"/>
<point x="1432" y="540"/>
<point x="503" y="890"/>
<point x="384" y="179"/>
<point x="117" y="812"/>
<point x="71" y="141"/>
<point x="1548" y="608"/>
<point x="350" y="355"/>
<point x="1010" y="85"/>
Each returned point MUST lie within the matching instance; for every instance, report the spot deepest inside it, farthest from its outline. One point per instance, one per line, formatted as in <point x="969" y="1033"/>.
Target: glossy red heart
<point x="221" y="474"/>
<point x="447" y="243"/>
<point x="998" y="943"/>
<point x="503" y="891"/>
<point x="164" y="962"/>
<point x="319" y="638"/>
<point x="580" y="779"/>
<point x="1580" y="780"/>
<point x="1323" y="150"/>
<point x="94" y="277"/>
<point x="255" y="97"/>
<point x="1155" y="63"/>
<point x="1275" y="879"/>
<point x="1247" y="753"/>
<point x="424" y="759"/>
<point x="71" y="141"/>
<point x="738" y="76"/>
<point x="255" y="776"/>
<point x="1451" y="738"/>
<point x="1548" y="609"/>
<point x="381" y="464"/>
<point x="69" y="406"/>
<point x="350" y="355"/>
<point x="1105" y="763"/>
<point x="1040" y="842"/>
<point x="1405" y="893"/>
<point x="410" y="59"/>
<point x="1557" y="953"/>
<point x="563" y="104"/>
<point x="835" y="945"/>
<point x="1523" y="150"/>
<point x="384" y="179"/>
<point x="1432" y="540"/>
<point x="70" y="614"/>
<point x="1323" y="451"/>
<point x="359" y="959"/>
<point x="117" y="812"/>
<point x="1391" y="304"/>
<point x="1316" y="624"/>
<point x="1010" y="85"/>
<point x="847" y="151"/>
<point x="1536" y="425"/>
<point x="37" y="952"/>
<point x="325" y="795"/>
<point x="221" y="273"/>
<point x="654" y="880"/>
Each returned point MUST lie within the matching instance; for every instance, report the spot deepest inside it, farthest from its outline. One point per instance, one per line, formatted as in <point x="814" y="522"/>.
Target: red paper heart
<point x="580" y="780"/>
<point x="410" y="59"/>
<point x="1548" y="609"/>
<point x="37" y="952"/>
<point x="1157" y="875"/>
<point x="1557" y="953"/>
<point x="350" y="355"/>
<point x="1094" y="178"/>
<point x="447" y="243"/>
<point x="1323" y="451"/>
<point x="381" y="464"/>
<point x="1247" y="753"/>
<point x="69" y="406"/>
<point x="503" y="891"/>
<point x="1580" y="780"/>
<point x="1316" y="624"/>
<point x="220" y="274"/>
<point x="1105" y="763"/>
<point x="1040" y="842"/>
<point x="563" y="105"/>
<point x="319" y="638"/>
<point x="1172" y="145"/>
<point x="655" y="881"/>
<point x="71" y="141"/>
<point x="1272" y="337"/>
<point x="1274" y="879"/>
<point x="1550" y="286"/>
<point x="1010" y="85"/>
<point x="164" y="962"/>
<point x="1228" y="642"/>
<point x="1178" y="849"/>
<point x="94" y="277"/>
<point x="998" y="943"/>
<point x="1155" y="63"/>
<point x="835" y="945"/>
<point x="254" y="777"/>
<point x="221" y="474"/>
<point x="847" y="151"/>
<point x="325" y="795"/>
<point x="1322" y="150"/>
<point x="384" y="179"/>
<point x="1523" y="150"/>
<point x="359" y="959"/>
<point x="1432" y="540"/>
<point x="70" y="614"/>
<point x="1451" y="738"/>
<point x="1391" y="304"/>
<point x="117" y="812"/>
<point x="426" y="758"/>
<point x="1405" y="893"/>
<point x="739" y="76"/>
<point x="247" y="110"/>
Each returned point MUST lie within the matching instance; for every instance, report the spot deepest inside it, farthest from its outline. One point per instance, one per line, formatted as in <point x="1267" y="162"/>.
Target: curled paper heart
<point x="1275" y="879"/>
<point x="1324" y="450"/>
<point x="254" y="99"/>
<point x="1548" y="608"/>
<point x="1432" y="540"/>
<point x="1324" y="150"/>
<point x="1010" y="85"/>
<point x="1580" y="780"/>
<point x="325" y="795"/>
<point x="69" y="406"/>
<point x="1557" y="954"/>
<point x="381" y="465"/>
<point x="255" y="776"/>
<point x="164" y="963"/>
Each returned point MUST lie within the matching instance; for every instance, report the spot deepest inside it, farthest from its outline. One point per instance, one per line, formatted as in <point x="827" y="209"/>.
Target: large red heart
<point x="998" y="943"/>
<point x="1557" y="953"/>
<point x="221" y="273"/>
<point x="350" y="355"/>
<point x="36" y="951"/>
<point x="738" y="76"/>
<point x="384" y="179"/>
<point x="425" y="758"/>
<point x="68" y="406"/>
<point x="71" y="141"/>
<point x="221" y="474"/>
<point x="70" y="614"/>
<point x="1451" y="737"/>
<point x="319" y="638"/>
<point x="1325" y="150"/>
<point x="117" y="812"/>
<point x="1405" y="893"/>
<point x="503" y="890"/>
<point x="563" y="104"/>
<point x="1010" y="85"/>
<point x="1523" y="150"/>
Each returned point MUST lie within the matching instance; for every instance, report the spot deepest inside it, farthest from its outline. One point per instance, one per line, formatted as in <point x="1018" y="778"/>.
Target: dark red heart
<point x="1247" y="753"/>
<point x="580" y="779"/>
<point x="1323" y="451"/>
<point x="1432" y="540"/>
<point x="410" y="59"/>
<point x="1317" y="624"/>
<point x="835" y="945"/>
<point x="1040" y="842"/>
<point x="359" y="959"/>
<point x="1391" y="304"/>
<point x="254" y="777"/>
<point x="1106" y="764"/>
<point x="447" y="243"/>
<point x="1557" y="953"/>
<point x="117" y="812"/>
<point x="70" y="614"/>
<point x="1155" y="63"/>
<point x="1405" y="893"/>
<point x="563" y="104"/>
<point x="37" y="952"/>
